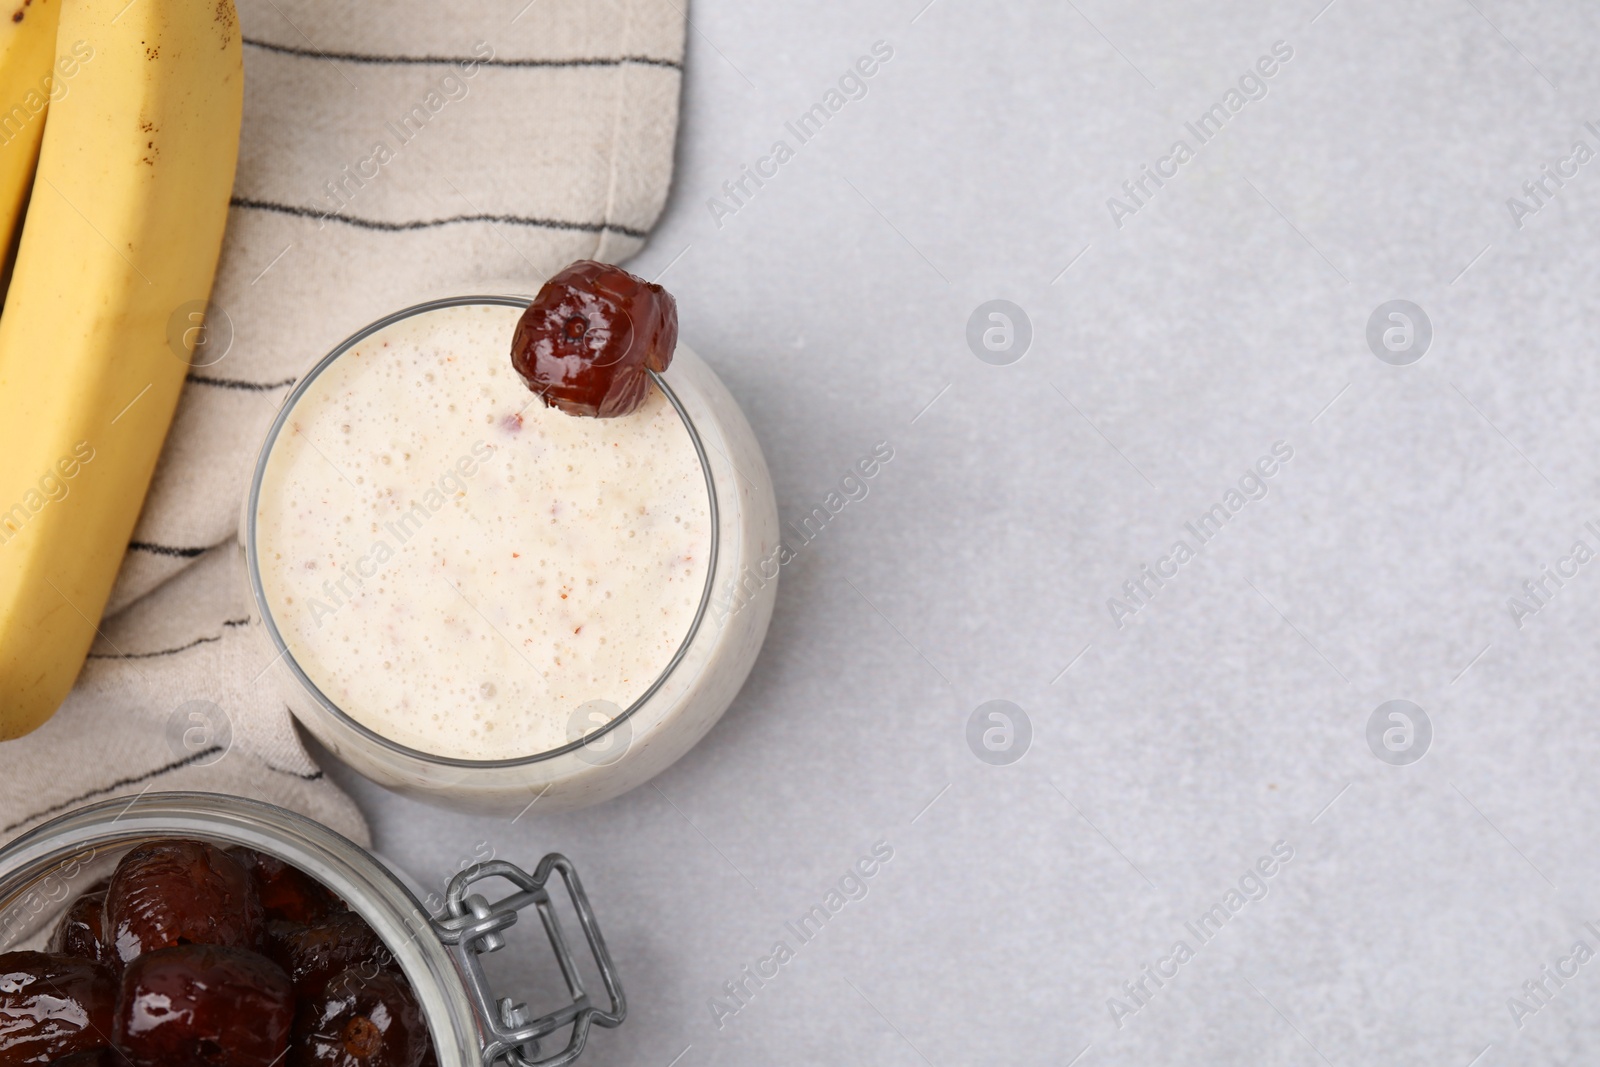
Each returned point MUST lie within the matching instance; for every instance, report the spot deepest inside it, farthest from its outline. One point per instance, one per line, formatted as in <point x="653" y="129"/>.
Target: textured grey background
<point x="1227" y="314"/>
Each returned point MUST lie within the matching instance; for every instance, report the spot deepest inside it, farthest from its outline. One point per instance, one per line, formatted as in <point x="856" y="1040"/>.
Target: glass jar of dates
<point x="201" y="930"/>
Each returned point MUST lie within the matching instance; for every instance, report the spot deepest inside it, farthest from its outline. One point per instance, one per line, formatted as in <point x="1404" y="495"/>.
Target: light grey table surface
<point x="1227" y="313"/>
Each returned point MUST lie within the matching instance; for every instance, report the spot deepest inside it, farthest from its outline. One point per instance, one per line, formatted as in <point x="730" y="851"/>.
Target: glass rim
<point x="258" y="592"/>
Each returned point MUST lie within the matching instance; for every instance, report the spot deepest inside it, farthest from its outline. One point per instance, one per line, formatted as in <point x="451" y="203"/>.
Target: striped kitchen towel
<point x="391" y="152"/>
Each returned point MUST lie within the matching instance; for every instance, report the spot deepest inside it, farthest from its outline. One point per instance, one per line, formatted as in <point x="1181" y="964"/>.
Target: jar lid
<point x="474" y="926"/>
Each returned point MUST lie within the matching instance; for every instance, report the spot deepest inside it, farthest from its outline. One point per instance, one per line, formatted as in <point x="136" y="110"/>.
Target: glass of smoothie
<point x="476" y="598"/>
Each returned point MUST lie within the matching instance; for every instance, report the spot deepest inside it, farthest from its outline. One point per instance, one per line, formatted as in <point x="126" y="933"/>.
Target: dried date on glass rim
<point x="589" y="338"/>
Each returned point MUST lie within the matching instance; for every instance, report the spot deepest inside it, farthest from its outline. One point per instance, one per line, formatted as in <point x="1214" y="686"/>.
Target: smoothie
<point x="461" y="569"/>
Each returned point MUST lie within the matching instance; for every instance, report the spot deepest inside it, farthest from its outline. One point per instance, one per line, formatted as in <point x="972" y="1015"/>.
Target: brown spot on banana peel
<point x="227" y="19"/>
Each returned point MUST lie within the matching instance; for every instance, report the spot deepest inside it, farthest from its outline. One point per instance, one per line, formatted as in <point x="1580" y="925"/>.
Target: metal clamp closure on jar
<point x="473" y="926"/>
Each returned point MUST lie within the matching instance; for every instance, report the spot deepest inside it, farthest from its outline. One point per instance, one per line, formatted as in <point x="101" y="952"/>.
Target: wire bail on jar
<point x="474" y="926"/>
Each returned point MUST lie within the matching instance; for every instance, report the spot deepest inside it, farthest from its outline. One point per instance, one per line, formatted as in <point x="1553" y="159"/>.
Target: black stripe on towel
<point x="430" y="61"/>
<point x="153" y="655"/>
<point x="166" y="550"/>
<point x="426" y="224"/>
<point x="314" y="776"/>
<point x="168" y="651"/>
<point x="114" y="786"/>
<point x="234" y="383"/>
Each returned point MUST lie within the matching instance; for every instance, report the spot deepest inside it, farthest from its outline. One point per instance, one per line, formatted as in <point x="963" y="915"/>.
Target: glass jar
<point x="42" y="871"/>
<point x="623" y="748"/>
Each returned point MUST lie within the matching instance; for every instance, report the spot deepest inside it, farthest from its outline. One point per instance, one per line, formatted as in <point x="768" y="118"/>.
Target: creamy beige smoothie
<point x="461" y="569"/>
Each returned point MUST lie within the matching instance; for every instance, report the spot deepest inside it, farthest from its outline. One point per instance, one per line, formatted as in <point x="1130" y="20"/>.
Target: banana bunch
<point x="122" y="117"/>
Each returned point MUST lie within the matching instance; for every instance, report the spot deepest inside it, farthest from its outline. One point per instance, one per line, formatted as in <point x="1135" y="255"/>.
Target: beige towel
<point x="391" y="152"/>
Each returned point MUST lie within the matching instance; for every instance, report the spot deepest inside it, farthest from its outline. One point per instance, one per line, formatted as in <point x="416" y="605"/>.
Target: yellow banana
<point x="27" y="85"/>
<point x="123" y="230"/>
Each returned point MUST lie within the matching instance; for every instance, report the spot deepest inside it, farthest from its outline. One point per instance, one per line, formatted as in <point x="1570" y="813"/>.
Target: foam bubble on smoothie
<point x="460" y="568"/>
